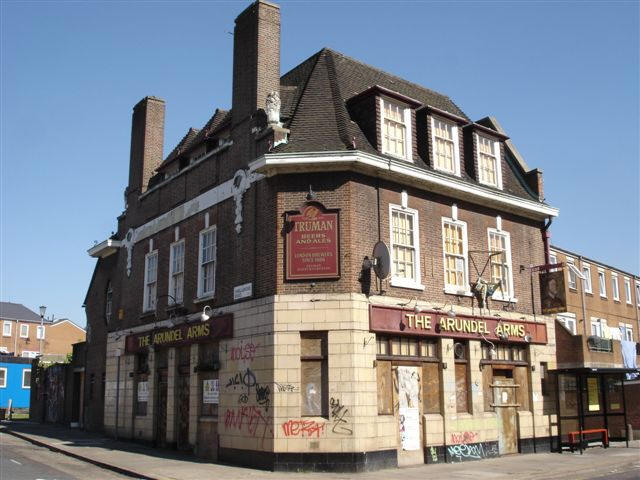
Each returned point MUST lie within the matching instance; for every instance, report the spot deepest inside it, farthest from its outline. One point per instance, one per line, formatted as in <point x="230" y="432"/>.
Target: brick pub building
<point x="233" y="314"/>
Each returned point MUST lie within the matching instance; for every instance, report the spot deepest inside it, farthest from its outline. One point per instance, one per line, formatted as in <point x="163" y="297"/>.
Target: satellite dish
<point x="381" y="260"/>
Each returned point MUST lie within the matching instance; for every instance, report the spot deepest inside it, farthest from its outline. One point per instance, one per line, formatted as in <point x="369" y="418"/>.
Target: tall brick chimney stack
<point x="147" y="139"/>
<point x="256" y="58"/>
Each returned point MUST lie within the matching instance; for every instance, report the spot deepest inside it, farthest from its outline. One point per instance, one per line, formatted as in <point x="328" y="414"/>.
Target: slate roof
<point x="17" y="311"/>
<point x="314" y="98"/>
<point x="196" y="136"/>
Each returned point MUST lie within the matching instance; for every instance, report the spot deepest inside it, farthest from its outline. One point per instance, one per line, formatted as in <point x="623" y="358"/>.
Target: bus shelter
<point x="591" y="406"/>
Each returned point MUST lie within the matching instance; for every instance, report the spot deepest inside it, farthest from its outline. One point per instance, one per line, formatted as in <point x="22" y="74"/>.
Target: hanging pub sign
<point x="552" y="292"/>
<point x="397" y="321"/>
<point x="185" y="334"/>
<point x="312" y="243"/>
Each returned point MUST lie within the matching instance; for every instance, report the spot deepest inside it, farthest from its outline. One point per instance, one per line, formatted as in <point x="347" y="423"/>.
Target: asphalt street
<point x="21" y="460"/>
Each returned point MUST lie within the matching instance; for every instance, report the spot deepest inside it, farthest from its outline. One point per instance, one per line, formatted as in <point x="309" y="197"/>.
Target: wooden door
<point x="182" y="405"/>
<point x="504" y="402"/>
<point x="409" y="415"/>
<point x="161" y="408"/>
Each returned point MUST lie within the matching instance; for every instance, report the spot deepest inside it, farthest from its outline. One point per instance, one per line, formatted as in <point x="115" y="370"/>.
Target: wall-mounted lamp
<point x="444" y="365"/>
<point x="533" y="367"/>
<point x="450" y="313"/>
<point x="204" y="316"/>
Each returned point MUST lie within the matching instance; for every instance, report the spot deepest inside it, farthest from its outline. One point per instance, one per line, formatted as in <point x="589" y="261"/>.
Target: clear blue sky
<point x="561" y="77"/>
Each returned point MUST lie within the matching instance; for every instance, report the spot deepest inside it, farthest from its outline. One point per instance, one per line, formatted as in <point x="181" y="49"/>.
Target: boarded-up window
<point x="487" y="380"/>
<point x="462" y="389"/>
<point x="521" y="375"/>
<point x="313" y="374"/>
<point x="431" y="387"/>
<point x="207" y="367"/>
<point x="385" y="385"/>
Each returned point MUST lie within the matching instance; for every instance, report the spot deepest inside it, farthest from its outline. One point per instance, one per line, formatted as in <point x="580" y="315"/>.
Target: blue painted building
<point x="15" y="381"/>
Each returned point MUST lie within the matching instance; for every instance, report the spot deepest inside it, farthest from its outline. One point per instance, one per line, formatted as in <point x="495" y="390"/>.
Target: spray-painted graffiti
<point x="286" y="387"/>
<point x="244" y="351"/>
<point x="338" y="415"/>
<point x="247" y="379"/>
<point x="302" y="428"/>
<point x="464" y="437"/>
<point x="434" y="454"/>
<point x="476" y="451"/>
<point x="242" y="379"/>
<point x="250" y="419"/>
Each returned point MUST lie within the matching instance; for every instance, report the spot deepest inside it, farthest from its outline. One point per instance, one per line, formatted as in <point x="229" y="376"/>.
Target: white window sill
<point x="5" y="335"/>
<point x="603" y="296"/>
<point x="489" y="185"/>
<point x="589" y="292"/>
<point x="504" y="299"/>
<point x="448" y="172"/>
<point x="204" y="298"/>
<point x="24" y="337"/>
<point x="457" y="291"/>
<point x="398" y="157"/>
<point x="402" y="283"/>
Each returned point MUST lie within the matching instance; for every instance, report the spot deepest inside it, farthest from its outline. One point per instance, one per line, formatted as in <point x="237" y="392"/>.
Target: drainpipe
<point x="584" y="308"/>
<point x="119" y="355"/>
<point x="546" y="235"/>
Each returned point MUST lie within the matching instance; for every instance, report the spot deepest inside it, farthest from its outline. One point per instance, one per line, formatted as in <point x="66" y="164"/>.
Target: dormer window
<point x="489" y="172"/>
<point x="446" y="156"/>
<point x="396" y="129"/>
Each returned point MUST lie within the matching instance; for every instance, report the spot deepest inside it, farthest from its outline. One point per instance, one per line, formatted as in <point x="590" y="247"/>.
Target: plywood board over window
<point x="385" y="388"/>
<point x="521" y="377"/>
<point x="431" y="388"/>
<point x="314" y="374"/>
<point x="462" y="388"/>
<point x="487" y="379"/>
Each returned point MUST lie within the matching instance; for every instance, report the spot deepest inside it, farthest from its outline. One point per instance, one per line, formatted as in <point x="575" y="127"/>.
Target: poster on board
<point x="143" y="391"/>
<point x="409" y="428"/>
<point x="211" y="391"/>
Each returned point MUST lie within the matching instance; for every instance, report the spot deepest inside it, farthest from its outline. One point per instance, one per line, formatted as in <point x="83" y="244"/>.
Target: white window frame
<point x="402" y="282"/>
<point x="40" y="332"/>
<point x="602" y="282"/>
<point x="29" y="354"/>
<point x="406" y="116"/>
<point x="568" y="319"/>
<point x="586" y="283"/>
<point x="615" y="286"/>
<point x="456" y="145"/>
<point x="201" y="292"/>
<point x="24" y="370"/>
<point x="627" y="289"/>
<point x="499" y="294"/>
<point x="553" y="259"/>
<point x="626" y="331"/>
<point x="149" y="303"/>
<point x="24" y="330"/>
<point x="6" y="332"/>
<point x="454" y="289"/>
<point x="638" y="294"/>
<point x="179" y="298"/>
<point x="572" y="281"/>
<point x="496" y="150"/>
<point x="3" y="382"/>
<point x="598" y="323"/>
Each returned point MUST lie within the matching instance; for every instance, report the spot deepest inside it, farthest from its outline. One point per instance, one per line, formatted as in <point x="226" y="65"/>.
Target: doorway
<point x="161" y="409"/>
<point x="408" y="388"/>
<point x="504" y="402"/>
<point x="182" y="404"/>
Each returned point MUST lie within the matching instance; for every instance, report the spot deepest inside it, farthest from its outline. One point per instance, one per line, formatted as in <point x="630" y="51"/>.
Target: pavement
<point x="140" y="461"/>
<point x="21" y="460"/>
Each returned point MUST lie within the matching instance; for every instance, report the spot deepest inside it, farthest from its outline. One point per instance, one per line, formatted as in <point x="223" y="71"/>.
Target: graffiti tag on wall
<point x="303" y="428"/>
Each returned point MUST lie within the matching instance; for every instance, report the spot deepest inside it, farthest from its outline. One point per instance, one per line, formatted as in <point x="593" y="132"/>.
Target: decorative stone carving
<point x="128" y="244"/>
<point x="242" y="180"/>
<point x="273" y="108"/>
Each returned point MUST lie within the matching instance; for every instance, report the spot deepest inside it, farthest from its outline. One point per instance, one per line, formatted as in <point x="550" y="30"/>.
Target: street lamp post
<point x="43" y="310"/>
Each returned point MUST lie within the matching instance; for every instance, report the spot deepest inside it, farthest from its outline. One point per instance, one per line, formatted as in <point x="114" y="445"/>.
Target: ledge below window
<point x="503" y="299"/>
<point x="460" y="293"/>
<point x="402" y="283"/>
<point x="204" y="298"/>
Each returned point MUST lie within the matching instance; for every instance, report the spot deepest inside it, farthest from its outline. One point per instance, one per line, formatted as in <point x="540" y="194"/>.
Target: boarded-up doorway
<point x="409" y="415"/>
<point x="161" y="408"/>
<point x="504" y="402"/>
